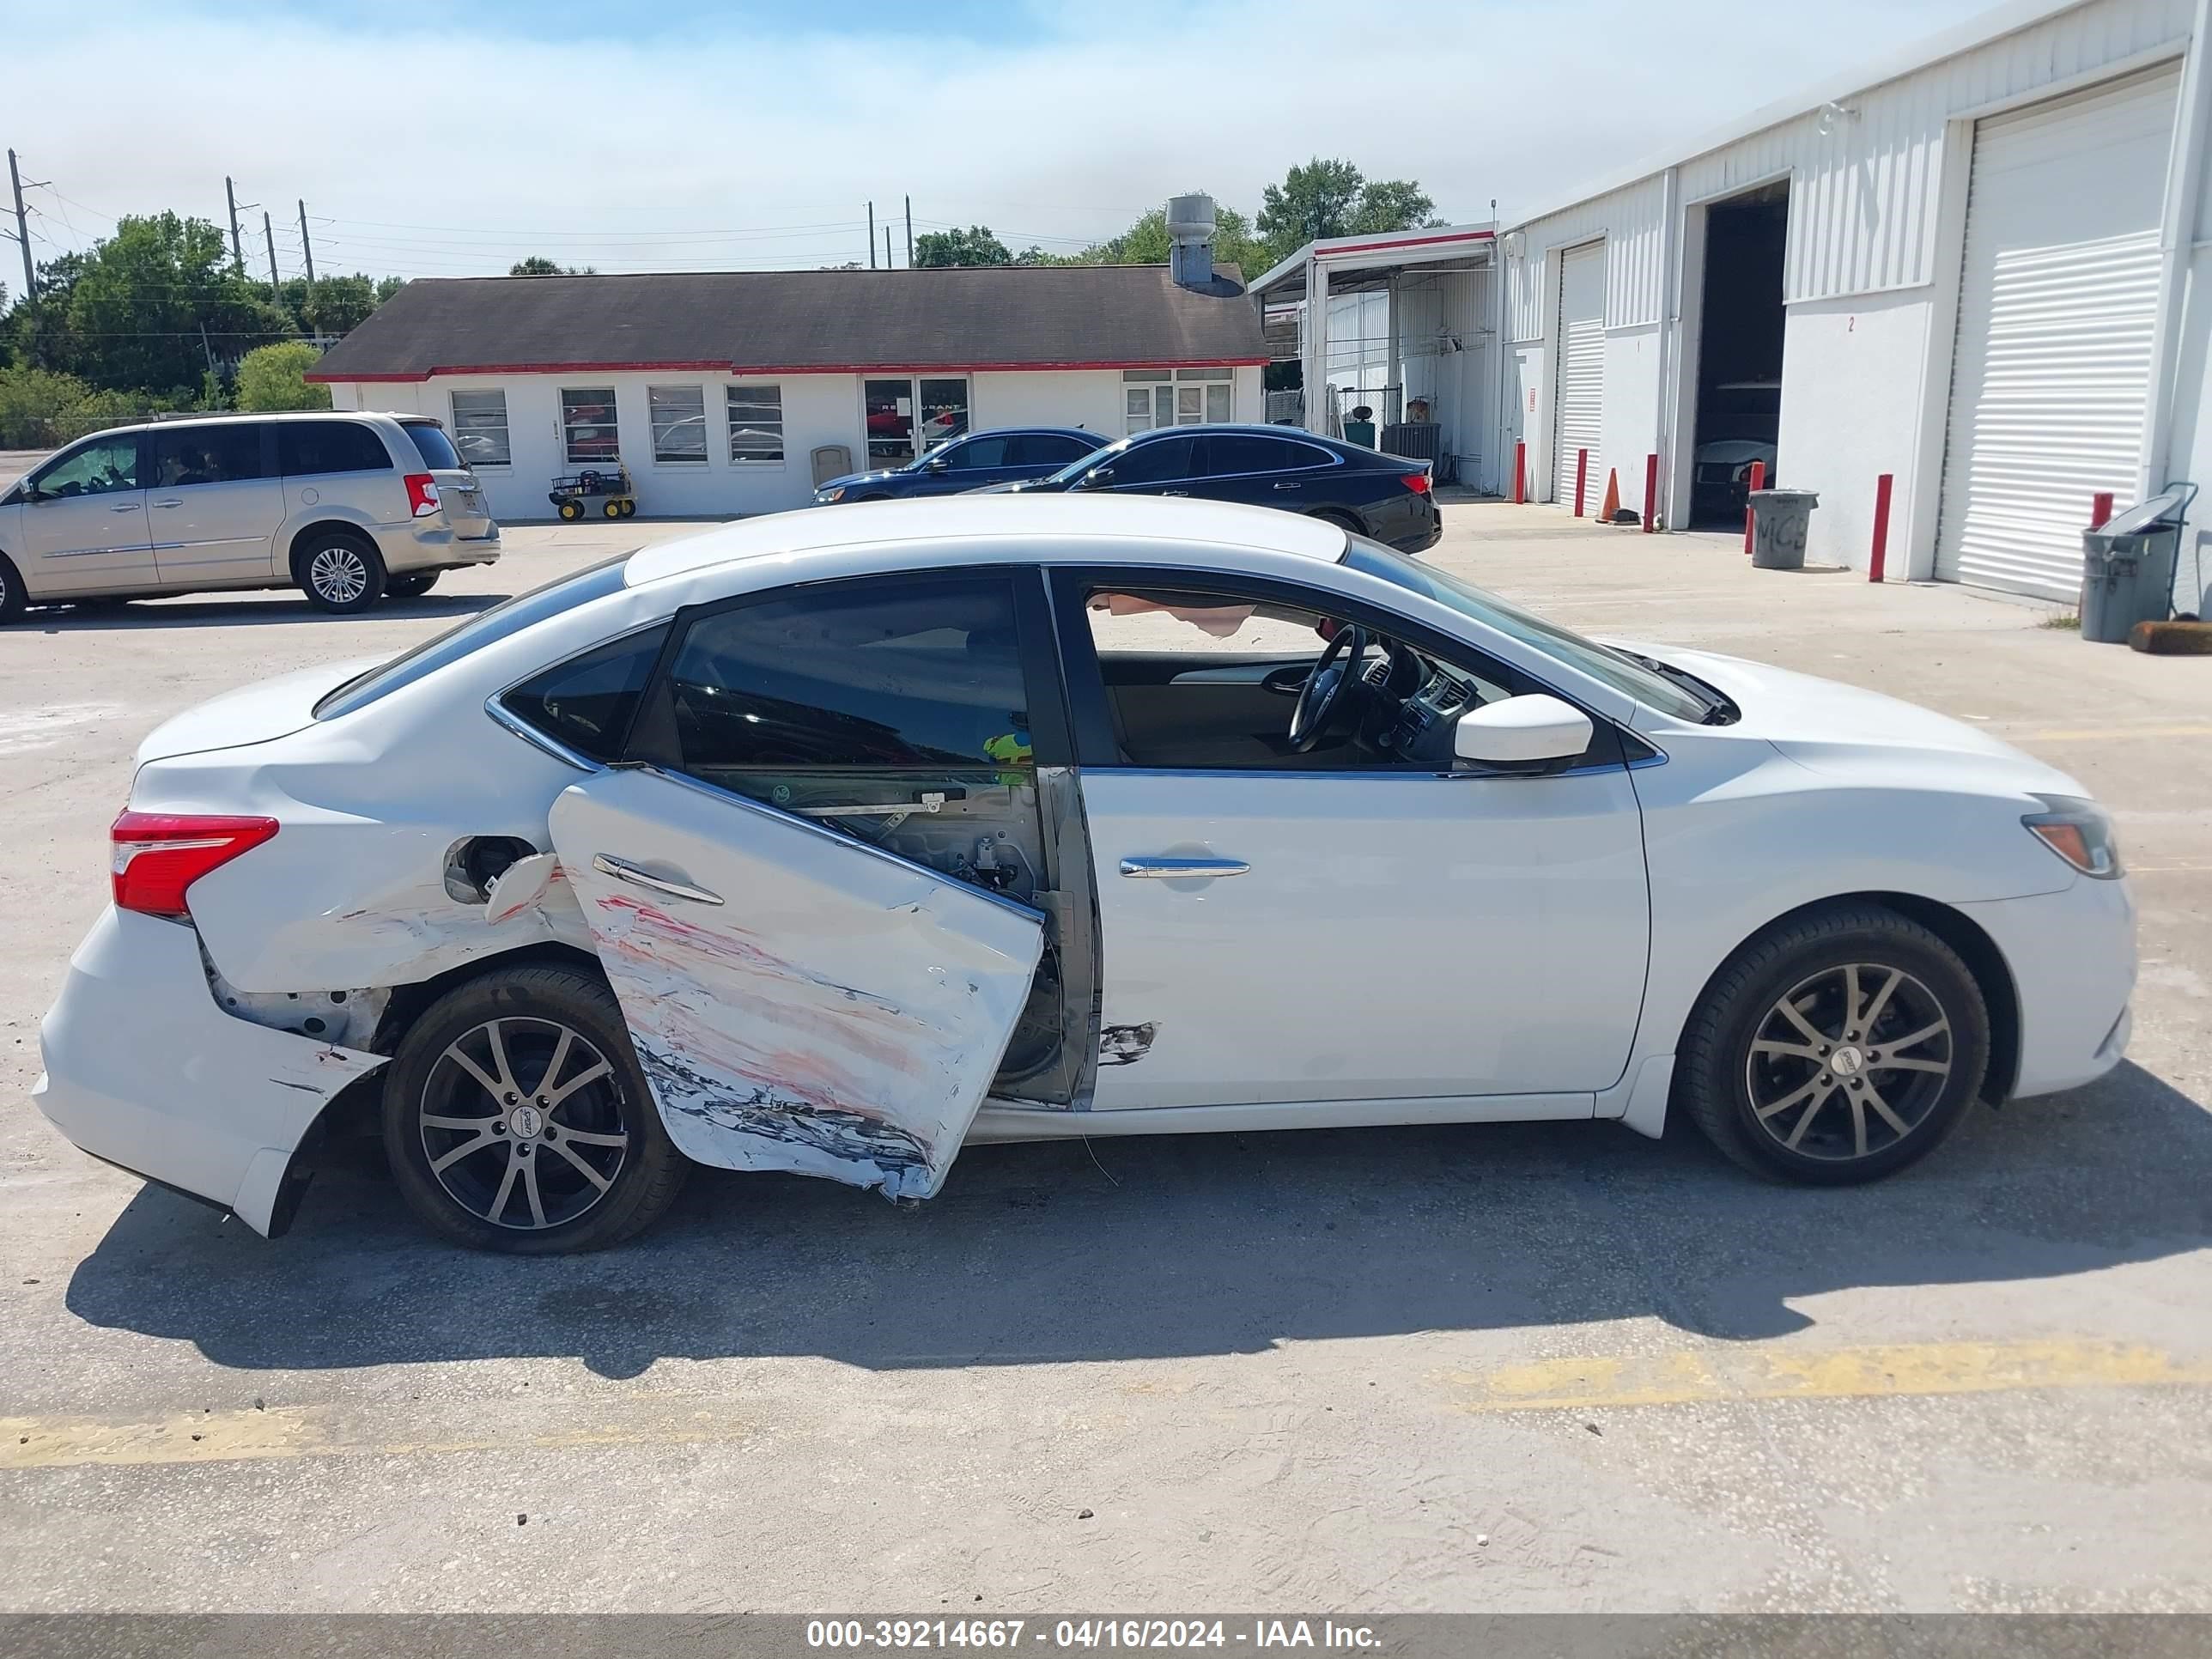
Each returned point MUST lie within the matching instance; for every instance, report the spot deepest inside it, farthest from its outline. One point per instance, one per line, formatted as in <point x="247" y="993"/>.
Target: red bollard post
<point x="1581" y="478"/>
<point x="1520" y="473"/>
<point x="2100" y="509"/>
<point x="1650" y="491"/>
<point x="1880" y="558"/>
<point x="1757" y="483"/>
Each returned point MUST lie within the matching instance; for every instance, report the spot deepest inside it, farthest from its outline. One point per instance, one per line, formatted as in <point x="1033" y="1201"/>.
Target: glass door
<point x="903" y="411"/>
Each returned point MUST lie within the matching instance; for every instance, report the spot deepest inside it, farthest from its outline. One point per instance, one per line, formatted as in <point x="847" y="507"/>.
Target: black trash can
<point x="2127" y="566"/>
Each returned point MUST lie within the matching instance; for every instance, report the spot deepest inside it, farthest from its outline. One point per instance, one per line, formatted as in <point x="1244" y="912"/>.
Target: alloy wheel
<point x="1848" y="1062"/>
<point x="338" y="574"/>
<point x="524" y="1156"/>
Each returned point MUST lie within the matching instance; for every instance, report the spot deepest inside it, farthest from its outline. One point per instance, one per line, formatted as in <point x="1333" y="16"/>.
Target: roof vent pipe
<point x="1190" y="240"/>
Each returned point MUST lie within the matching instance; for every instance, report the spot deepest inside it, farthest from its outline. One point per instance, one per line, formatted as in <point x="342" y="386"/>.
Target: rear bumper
<point x="2072" y="955"/>
<point x="144" y="1070"/>
<point x="407" y="547"/>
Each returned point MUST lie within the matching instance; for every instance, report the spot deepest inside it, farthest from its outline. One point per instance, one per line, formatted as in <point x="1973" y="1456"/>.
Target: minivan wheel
<point x="1835" y="1048"/>
<point x="339" y="574"/>
<point x="12" y="597"/>
<point x="516" y="1119"/>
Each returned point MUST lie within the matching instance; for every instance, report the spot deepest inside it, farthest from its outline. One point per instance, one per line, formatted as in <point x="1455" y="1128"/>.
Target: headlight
<point x="826" y="496"/>
<point x="2080" y="832"/>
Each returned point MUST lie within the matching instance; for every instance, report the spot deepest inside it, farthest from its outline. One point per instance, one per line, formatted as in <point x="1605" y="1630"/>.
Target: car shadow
<point x="129" y="616"/>
<point x="1197" y="1244"/>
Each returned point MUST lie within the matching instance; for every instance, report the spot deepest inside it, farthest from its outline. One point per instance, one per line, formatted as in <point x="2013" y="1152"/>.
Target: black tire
<point x="340" y="572"/>
<point x="613" y="509"/>
<point x="629" y="509"/>
<point x="572" y="511"/>
<point x="1873" y="1100"/>
<point x="413" y="585"/>
<point x="479" y="1185"/>
<point x="12" y="597"/>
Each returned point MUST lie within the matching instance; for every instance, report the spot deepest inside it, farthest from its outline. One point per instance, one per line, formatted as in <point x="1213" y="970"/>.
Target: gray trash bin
<point x="1780" y="519"/>
<point x="2127" y="566"/>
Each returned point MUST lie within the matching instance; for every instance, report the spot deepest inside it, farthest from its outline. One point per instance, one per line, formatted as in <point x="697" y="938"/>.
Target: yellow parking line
<point x="1771" y="1373"/>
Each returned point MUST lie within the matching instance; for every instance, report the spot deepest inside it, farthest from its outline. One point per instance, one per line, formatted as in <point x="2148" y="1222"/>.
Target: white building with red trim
<point x="731" y="393"/>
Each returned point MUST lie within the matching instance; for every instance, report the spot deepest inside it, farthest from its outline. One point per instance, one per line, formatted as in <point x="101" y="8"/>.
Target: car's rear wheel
<point x="339" y="572"/>
<point x="12" y="597"/>
<point x="516" y="1119"/>
<point x="1835" y="1047"/>
<point x="412" y="586"/>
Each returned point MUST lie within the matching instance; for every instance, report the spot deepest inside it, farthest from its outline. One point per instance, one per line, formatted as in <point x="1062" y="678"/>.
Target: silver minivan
<point x="346" y="506"/>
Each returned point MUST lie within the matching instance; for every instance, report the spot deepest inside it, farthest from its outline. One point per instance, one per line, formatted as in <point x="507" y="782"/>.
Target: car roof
<point x="1010" y="527"/>
<point x="227" y="417"/>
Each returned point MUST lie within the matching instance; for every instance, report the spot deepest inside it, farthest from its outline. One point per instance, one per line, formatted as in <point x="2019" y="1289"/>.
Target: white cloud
<point x="545" y="139"/>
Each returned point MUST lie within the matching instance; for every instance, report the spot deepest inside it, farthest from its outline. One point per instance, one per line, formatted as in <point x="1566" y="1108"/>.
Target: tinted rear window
<point x="562" y="593"/>
<point x="431" y="444"/>
<point x="305" y="447"/>
<point x="586" y="702"/>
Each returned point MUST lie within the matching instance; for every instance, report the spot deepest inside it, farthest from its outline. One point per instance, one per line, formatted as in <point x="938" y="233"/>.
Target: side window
<point x="588" y="425"/>
<point x="102" y="467"/>
<point x="307" y="448"/>
<point x="920" y="672"/>
<point x="679" y="424"/>
<point x="978" y="451"/>
<point x="1227" y="454"/>
<point x="1044" y="449"/>
<point x="1157" y="462"/>
<point x="206" y="454"/>
<point x="586" y="702"/>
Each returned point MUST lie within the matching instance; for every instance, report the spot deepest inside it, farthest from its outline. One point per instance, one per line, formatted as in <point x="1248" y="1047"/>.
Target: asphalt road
<point x="1553" y="1367"/>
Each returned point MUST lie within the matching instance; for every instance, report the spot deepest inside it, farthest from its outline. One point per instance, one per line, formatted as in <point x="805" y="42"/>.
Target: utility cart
<point x="572" y="493"/>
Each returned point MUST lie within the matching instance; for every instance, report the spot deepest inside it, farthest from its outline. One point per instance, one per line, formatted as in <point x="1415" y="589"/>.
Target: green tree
<point x="974" y="246"/>
<point x="335" y="304"/>
<point x="1334" y="198"/>
<point x="539" y="266"/>
<point x="275" y="377"/>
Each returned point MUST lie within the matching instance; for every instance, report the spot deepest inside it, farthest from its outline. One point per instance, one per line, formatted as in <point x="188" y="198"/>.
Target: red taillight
<point x="1416" y="481"/>
<point x="157" y="855"/>
<point x="421" y="494"/>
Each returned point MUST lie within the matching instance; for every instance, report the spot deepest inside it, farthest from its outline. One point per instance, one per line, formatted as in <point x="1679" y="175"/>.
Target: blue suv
<point x="1007" y="454"/>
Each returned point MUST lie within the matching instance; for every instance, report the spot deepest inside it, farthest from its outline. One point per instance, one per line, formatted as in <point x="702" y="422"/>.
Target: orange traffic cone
<point x="1611" y="509"/>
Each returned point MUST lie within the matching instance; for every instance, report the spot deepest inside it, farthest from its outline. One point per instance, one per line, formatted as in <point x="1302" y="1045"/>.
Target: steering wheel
<point x="1327" y="686"/>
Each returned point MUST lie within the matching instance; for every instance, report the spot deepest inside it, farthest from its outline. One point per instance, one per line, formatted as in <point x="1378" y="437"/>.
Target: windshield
<point x="1617" y="669"/>
<point x="562" y="593"/>
<point x="1081" y="464"/>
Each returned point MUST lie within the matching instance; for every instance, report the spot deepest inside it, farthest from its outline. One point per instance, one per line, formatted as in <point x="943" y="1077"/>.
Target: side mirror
<point x="1516" y="730"/>
<point x="1097" y="478"/>
<point x="936" y="465"/>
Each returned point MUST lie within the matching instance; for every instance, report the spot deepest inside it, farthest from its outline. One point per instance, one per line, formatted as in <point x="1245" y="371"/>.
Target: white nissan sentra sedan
<point x="833" y="841"/>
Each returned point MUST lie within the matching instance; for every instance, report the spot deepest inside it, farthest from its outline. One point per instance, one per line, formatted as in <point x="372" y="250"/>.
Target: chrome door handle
<point x="172" y="501"/>
<point x="622" y="870"/>
<point x="1182" y="869"/>
<point x="1289" y="484"/>
<point x="1175" y="492"/>
<point x="132" y="507"/>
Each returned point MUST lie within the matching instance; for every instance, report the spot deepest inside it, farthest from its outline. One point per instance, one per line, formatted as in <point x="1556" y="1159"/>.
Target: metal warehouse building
<point x="1979" y="270"/>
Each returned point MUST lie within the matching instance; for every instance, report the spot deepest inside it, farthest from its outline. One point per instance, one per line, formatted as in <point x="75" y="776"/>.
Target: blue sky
<point x="446" y="141"/>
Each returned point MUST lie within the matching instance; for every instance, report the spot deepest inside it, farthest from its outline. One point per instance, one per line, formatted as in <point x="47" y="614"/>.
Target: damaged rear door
<point x="817" y="883"/>
<point x="798" y="1001"/>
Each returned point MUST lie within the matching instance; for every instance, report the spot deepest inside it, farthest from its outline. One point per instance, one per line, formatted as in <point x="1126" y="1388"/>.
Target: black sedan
<point x="1386" y="497"/>
<point x="1003" y="455"/>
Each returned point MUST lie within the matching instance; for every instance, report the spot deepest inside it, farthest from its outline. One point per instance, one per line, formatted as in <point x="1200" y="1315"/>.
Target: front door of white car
<point x="797" y="1001"/>
<point x="1280" y="928"/>
<point x="84" y="522"/>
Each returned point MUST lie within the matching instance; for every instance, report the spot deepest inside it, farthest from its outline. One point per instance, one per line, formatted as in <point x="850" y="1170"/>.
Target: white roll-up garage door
<point x="2052" y="376"/>
<point x="1578" y="412"/>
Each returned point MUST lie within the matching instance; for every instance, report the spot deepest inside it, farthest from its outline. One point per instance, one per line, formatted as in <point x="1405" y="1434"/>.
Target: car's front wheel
<point x="516" y="1119"/>
<point x="1835" y="1047"/>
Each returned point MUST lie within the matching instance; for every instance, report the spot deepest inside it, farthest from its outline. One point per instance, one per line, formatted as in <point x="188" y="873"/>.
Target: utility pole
<point x="887" y="247"/>
<point x="872" y="236"/>
<point x="22" y="230"/>
<point x="306" y="249"/>
<point x="237" y="253"/>
<point x="909" y="233"/>
<point x="269" y="236"/>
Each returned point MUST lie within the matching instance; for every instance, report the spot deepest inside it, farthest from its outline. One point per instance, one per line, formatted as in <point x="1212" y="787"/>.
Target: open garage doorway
<point x="1738" y="412"/>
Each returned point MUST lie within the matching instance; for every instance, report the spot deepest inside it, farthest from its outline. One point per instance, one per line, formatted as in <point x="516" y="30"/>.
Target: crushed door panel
<point x="798" y="1000"/>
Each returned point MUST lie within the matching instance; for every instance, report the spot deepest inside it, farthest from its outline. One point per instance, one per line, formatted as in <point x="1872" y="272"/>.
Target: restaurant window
<point x="679" y="424"/>
<point x="756" y="415"/>
<point x="588" y="426"/>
